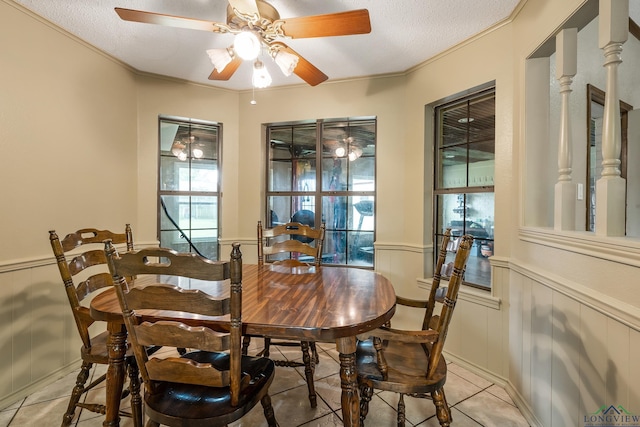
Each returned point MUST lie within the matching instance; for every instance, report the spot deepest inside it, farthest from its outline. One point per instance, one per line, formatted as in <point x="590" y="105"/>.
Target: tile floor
<point x="474" y="401"/>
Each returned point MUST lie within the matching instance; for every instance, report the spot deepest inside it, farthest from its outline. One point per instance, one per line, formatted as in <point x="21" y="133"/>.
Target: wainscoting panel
<point x="568" y="356"/>
<point x="537" y="304"/>
<point x="38" y="334"/>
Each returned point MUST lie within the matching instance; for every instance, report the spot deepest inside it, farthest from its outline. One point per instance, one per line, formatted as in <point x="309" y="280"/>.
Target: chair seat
<point x="406" y="372"/>
<point x="195" y="405"/>
<point x="99" y="353"/>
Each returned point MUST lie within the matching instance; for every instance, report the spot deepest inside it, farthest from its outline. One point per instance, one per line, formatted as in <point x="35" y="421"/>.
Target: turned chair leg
<point x="365" y="397"/>
<point x="442" y="409"/>
<point x="81" y="380"/>
<point x="246" y="341"/>
<point x="309" y="369"/>
<point x="267" y="344"/>
<point x="268" y="411"/>
<point x="134" y="388"/>
<point x="314" y="351"/>
<point x="401" y="411"/>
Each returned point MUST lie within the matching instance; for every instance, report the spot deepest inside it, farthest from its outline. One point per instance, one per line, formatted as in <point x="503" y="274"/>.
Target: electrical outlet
<point x="580" y="191"/>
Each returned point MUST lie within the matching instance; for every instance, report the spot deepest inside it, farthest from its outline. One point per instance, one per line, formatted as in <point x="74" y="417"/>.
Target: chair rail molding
<point x="617" y="310"/>
<point x="405" y="247"/>
<point x="468" y="294"/>
<point x="623" y="250"/>
<point x="45" y="260"/>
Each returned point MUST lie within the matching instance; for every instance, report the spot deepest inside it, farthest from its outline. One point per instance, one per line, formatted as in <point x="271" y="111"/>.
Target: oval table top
<point x="320" y="304"/>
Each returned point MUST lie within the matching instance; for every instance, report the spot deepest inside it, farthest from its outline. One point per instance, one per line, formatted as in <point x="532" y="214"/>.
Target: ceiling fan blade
<point x="332" y="24"/>
<point x="167" y="20"/>
<point x="247" y="7"/>
<point x="305" y="69"/>
<point x="228" y="70"/>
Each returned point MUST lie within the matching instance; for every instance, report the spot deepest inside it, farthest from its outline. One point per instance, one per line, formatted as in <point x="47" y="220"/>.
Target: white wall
<point x="382" y="98"/>
<point x="157" y="96"/>
<point x="67" y="137"/>
<point x="591" y="71"/>
<point x="554" y="295"/>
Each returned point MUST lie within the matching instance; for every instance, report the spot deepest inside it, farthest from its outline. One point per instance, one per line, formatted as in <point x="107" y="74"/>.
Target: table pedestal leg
<point x="115" y="373"/>
<point x="349" y="381"/>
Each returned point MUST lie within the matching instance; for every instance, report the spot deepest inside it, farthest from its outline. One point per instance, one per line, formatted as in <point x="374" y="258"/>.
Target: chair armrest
<point x="411" y="302"/>
<point x="400" y="335"/>
<point x="84" y="316"/>
<point x="408" y="302"/>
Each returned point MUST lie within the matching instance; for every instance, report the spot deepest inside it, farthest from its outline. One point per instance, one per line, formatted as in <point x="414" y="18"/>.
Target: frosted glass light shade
<point x="197" y="152"/>
<point x="247" y="45"/>
<point x="220" y="58"/>
<point x="355" y="153"/>
<point x="261" y="77"/>
<point x="177" y="148"/>
<point x="286" y="61"/>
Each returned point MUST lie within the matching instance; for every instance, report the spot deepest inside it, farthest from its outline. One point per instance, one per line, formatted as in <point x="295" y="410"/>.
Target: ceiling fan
<point x="257" y="24"/>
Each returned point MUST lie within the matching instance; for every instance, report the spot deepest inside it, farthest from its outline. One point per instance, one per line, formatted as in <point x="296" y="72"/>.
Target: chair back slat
<point x="87" y="271"/>
<point x="179" y="370"/>
<point x="93" y="283"/>
<point x="290" y="246"/>
<point x="292" y="229"/>
<point x="87" y="236"/>
<point x="162" y="296"/>
<point x="291" y="238"/>
<point x="86" y="260"/>
<point x="170" y="297"/>
<point x="170" y="262"/>
<point x="462" y="255"/>
<point x="437" y="276"/>
<point x="181" y="336"/>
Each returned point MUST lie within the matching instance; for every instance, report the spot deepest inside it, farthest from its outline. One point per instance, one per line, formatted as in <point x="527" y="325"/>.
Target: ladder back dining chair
<point x="291" y="245"/>
<point x="212" y="384"/>
<point x="85" y="274"/>
<point x="411" y="362"/>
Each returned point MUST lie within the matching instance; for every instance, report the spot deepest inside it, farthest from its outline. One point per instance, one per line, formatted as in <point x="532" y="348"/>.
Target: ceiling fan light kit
<point x="257" y="24"/>
<point x="220" y="58"/>
<point x="286" y="61"/>
<point x="261" y="77"/>
<point x="181" y="147"/>
<point x="348" y="147"/>
<point x="247" y="45"/>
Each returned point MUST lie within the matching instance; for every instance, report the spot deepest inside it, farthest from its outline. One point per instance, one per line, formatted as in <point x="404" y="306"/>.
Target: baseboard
<point x="522" y="405"/>
<point x="476" y="369"/>
<point x="518" y="400"/>
<point x="54" y="376"/>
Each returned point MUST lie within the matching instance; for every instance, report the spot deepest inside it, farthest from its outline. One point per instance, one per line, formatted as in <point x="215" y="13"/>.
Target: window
<point x="324" y="171"/>
<point x="464" y="153"/>
<point x="189" y="186"/>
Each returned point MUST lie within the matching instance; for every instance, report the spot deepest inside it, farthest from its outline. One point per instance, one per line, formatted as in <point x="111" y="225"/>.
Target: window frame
<point x="216" y="193"/>
<point x="440" y="190"/>
<point x="319" y="193"/>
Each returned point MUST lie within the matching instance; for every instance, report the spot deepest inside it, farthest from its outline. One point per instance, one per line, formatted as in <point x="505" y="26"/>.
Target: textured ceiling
<point x="404" y="34"/>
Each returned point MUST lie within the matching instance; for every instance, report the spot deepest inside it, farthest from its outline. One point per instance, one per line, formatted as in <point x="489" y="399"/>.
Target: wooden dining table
<point x="323" y="304"/>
